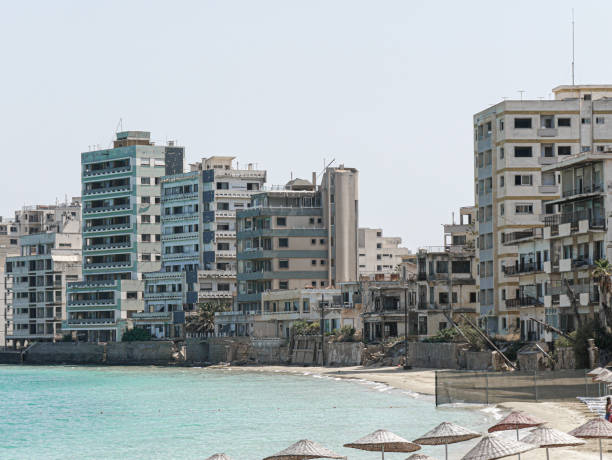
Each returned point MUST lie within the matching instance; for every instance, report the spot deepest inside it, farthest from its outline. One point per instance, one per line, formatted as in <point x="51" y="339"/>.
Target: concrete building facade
<point x="378" y="253"/>
<point x="297" y="236"/>
<point x="38" y="277"/>
<point x="121" y="233"/>
<point x="513" y="142"/>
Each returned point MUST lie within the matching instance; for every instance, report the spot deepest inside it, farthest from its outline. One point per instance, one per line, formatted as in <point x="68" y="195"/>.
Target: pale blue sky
<point x="388" y="87"/>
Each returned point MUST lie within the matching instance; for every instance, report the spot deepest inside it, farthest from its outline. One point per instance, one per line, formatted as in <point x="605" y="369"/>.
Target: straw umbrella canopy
<point x="546" y="437"/>
<point x="602" y="376"/>
<point x="446" y="433"/>
<point x="492" y="447"/>
<point x="516" y="420"/>
<point x="303" y="450"/>
<point x="219" y="457"/>
<point x="420" y="457"/>
<point x="597" y="428"/>
<point x="595" y="371"/>
<point x="383" y="441"/>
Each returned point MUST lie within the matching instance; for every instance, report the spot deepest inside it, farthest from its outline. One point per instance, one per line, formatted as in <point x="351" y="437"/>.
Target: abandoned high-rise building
<point x="121" y="233"/>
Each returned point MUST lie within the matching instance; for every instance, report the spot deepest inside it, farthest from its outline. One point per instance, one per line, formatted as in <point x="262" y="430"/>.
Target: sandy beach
<point x="561" y="415"/>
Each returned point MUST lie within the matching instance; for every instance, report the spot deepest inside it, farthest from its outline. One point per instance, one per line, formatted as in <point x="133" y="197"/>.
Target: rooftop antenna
<point x="521" y="92"/>
<point x="119" y="125"/>
<point x="573" y="47"/>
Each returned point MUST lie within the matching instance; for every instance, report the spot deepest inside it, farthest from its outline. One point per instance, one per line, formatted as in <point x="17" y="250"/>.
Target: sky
<point x="387" y="87"/>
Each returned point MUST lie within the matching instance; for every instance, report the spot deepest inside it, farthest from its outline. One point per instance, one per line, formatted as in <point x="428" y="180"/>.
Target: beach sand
<point x="561" y="415"/>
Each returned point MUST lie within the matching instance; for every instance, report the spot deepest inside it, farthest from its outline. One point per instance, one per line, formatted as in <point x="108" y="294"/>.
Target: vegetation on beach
<point x="136" y="334"/>
<point x="203" y="322"/>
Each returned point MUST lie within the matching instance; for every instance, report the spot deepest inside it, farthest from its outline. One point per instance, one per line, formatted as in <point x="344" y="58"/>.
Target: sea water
<point x="63" y="412"/>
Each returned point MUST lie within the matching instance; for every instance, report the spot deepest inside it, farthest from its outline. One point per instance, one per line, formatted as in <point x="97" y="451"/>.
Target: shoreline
<point x="561" y="415"/>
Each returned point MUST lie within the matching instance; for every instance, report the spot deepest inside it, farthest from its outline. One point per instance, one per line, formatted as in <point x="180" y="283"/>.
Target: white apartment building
<point x="513" y="142"/>
<point x="379" y="254"/>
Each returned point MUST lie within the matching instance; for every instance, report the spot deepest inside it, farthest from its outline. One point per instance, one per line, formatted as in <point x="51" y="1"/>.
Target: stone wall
<point x="433" y="355"/>
<point x="478" y="360"/>
<point x="65" y="353"/>
<point x="153" y="352"/>
<point x="344" y="353"/>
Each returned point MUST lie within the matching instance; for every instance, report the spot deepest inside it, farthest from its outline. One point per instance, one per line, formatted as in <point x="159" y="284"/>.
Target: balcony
<point x="548" y="189"/>
<point x="121" y="264"/>
<point x="547" y="160"/>
<point x="101" y="172"/>
<point x="523" y="301"/>
<point x="225" y="254"/>
<point x="225" y="215"/>
<point x="203" y="274"/>
<point x="179" y="236"/>
<point x="89" y="321"/>
<point x="547" y="132"/>
<point x="225" y="234"/>
<point x="95" y="247"/>
<point x="107" y="228"/>
<point x="215" y="294"/>
<point x="594" y="220"/>
<point x="512" y="238"/>
<point x="584" y="189"/>
<point x="87" y="302"/>
<point x="105" y="190"/>
<point x="101" y="209"/>
<point x="527" y="267"/>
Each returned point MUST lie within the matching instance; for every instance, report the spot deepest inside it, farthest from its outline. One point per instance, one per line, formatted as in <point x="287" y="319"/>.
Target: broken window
<point x="522" y="123"/>
<point x="522" y="152"/>
<point x="564" y="122"/>
<point x="547" y="121"/>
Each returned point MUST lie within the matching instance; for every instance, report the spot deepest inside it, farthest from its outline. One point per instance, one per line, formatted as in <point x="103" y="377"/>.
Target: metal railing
<point x="595" y="221"/>
<point x="585" y="188"/>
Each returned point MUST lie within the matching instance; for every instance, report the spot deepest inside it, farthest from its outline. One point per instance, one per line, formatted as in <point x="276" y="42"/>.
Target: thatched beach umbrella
<point x="597" y="428"/>
<point x="602" y="376"/>
<point x="219" y="457"/>
<point x="516" y="420"/>
<point x="446" y="433"/>
<point x="420" y="457"/>
<point x="383" y="441"/>
<point x="545" y="437"/>
<point x="492" y="447"/>
<point x="594" y="372"/>
<point x="303" y="450"/>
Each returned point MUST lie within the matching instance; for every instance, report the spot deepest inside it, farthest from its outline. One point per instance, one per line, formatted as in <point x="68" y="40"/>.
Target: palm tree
<point x="602" y="273"/>
<point x="203" y="321"/>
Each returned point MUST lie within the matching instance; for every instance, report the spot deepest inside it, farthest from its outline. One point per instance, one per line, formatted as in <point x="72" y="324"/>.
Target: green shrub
<point x="136" y="335"/>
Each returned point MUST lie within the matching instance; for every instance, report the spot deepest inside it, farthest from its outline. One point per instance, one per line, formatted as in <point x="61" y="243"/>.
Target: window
<point x="460" y="266"/>
<point x="146" y="257"/>
<point x="568" y="251"/>
<point x="313" y="262"/>
<point x="145" y="180"/>
<point x="548" y="150"/>
<point x="145" y="219"/>
<point x="587" y="97"/>
<point x="157" y="180"/>
<point x="132" y="295"/>
<point x="501" y="153"/>
<point x="564" y="150"/>
<point x="311" y="220"/>
<point x="222" y="206"/>
<point x="600" y="148"/>
<point x="222" y="185"/>
<point x="313" y="241"/>
<point x="146" y="237"/>
<point x="600" y="120"/>
<point x="522" y="123"/>
<point x="523" y="179"/>
<point x="283" y="242"/>
<point x="522" y="152"/>
<point x="501" y="124"/>
<point x="561" y="122"/>
<point x="322" y="262"/>
<point x="502" y="209"/>
<point x="524" y="209"/>
<point x="472" y="297"/>
<point x="501" y="181"/>
<point x="157" y="219"/>
<point x="283" y="264"/>
<point x="145" y="199"/>
<point x="547" y="121"/>
<point x="281" y="221"/>
<point x="283" y="284"/>
<point x="252" y="186"/>
<point x="585" y="121"/>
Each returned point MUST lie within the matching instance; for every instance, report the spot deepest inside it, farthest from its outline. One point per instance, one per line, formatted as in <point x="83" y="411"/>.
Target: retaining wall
<point x="65" y="353"/>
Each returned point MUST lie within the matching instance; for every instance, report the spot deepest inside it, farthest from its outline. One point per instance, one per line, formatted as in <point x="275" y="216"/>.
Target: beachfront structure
<point x="446" y="277"/>
<point x="378" y="253"/>
<point x="513" y="142"/>
<point x="29" y="220"/>
<point x="198" y="257"/>
<point x="121" y="233"/>
<point x="38" y="276"/>
<point x="9" y="246"/>
<point x="388" y="300"/>
<point x="279" y="310"/>
<point x="577" y="234"/>
<point x="226" y="190"/>
<point x="296" y="236"/>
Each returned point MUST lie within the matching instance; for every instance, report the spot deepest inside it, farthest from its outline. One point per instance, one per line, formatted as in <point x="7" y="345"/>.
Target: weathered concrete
<point x="433" y="355"/>
<point x="65" y="353"/>
<point x="153" y="352"/>
<point x="268" y="351"/>
<point x="196" y="351"/>
<point x="478" y="360"/>
<point x="344" y="353"/>
<point x="10" y="357"/>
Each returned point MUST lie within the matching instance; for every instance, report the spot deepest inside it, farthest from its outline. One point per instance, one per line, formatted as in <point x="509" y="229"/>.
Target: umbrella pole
<point x="547" y="457"/>
<point x="446" y="451"/>
<point x="600" y="450"/>
<point x="517" y="438"/>
<point x="383" y="452"/>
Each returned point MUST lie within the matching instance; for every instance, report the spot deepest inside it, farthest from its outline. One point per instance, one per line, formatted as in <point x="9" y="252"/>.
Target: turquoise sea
<point x="63" y="412"/>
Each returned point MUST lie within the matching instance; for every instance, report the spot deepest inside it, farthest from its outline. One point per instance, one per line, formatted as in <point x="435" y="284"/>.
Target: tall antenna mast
<point x="573" y="83"/>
